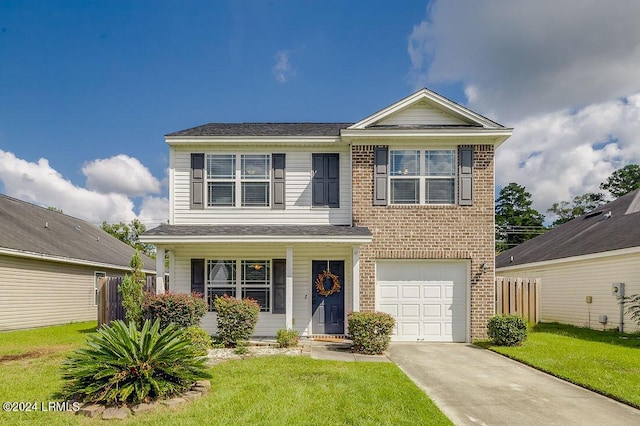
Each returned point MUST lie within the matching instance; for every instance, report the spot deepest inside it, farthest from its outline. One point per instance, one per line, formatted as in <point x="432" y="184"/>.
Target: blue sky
<point x="89" y="88"/>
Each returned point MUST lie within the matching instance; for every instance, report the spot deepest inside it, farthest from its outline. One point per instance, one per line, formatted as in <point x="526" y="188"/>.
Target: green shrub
<point x="507" y="330"/>
<point x="370" y="332"/>
<point x="125" y="365"/>
<point x="237" y="319"/>
<point x="288" y="338"/>
<point x="632" y="303"/>
<point x="200" y="339"/>
<point x="183" y="310"/>
<point x="132" y="291"/>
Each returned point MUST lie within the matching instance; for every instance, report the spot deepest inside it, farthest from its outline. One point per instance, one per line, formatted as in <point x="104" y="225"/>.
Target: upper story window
<point x="422" y="176"/>
<point x="238" y="180"/>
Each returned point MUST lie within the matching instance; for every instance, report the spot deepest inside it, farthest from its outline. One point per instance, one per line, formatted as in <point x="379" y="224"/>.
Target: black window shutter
<point x="197" y="276"/>
<point x="197" y="181"/>
<point x="332" y="181"/>
<point x="318" y="180"/>
<point x="465" y="176"/>
<point x="278" y="164"/>
<point x="279" y="286"/>
<point x="326" y="180"/>
<point x="380" y="174"/>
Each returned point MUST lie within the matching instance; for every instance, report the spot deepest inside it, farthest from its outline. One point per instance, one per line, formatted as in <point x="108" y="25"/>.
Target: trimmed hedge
<point x="507" y="330"/>
<point x="237" y="319"/>
<point x="200" y="339"/>
<point x="370" y="332"/>
<point x="183" y="310"/>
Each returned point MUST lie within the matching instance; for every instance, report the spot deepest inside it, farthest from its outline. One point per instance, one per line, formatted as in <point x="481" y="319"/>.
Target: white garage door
<point x="427" y="298"/>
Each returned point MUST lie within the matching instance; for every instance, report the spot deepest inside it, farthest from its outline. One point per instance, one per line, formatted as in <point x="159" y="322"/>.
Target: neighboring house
<point x="580" y="262"/>
<point x="314" y="220"/>
<point x="50" y="264"/>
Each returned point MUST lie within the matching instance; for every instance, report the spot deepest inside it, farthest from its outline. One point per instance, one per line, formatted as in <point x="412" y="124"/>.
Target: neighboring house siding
<point x="268" y="324"/>
<point x="430" y="232"/>
<point x="298" y="173"/>
<point x="35" y="293"/>
<point x="566" y="285"/>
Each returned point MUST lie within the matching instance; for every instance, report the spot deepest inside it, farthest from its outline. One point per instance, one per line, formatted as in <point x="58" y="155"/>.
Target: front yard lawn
<point x="262" y="391"/>
<point x="607" y="362"/>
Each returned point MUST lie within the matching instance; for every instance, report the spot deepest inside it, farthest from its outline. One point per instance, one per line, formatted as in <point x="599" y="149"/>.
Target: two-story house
<point x="393" y="213"/>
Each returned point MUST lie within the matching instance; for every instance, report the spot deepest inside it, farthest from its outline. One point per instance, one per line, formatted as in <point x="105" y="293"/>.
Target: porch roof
<point x="257" y="233"/>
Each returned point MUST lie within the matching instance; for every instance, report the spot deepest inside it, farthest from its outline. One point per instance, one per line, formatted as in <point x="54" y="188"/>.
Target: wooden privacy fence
<point x="110" y="301"/>
<point x="518" y="296"/>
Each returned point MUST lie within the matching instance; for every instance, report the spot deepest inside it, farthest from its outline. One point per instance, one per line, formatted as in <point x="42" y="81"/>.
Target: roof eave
<point x="292" y="140"/>
<point x="68" y="260"/>
<point x="333" y="239"/>
<point x="493" y="136"/>
<point x="583" y="257"/>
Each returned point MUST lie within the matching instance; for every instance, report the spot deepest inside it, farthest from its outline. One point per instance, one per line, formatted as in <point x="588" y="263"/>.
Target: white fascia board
<point x="174" y="239"/>
<point x="68" y="260"/>
<point x="248" y="140"/>
<point x="584" y="257"/>
<point x="442" y="103"/>
<point x="491" y="136"/>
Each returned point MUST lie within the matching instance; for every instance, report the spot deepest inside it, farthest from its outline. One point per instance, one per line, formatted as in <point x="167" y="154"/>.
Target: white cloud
<point x="39" y="183"/>
<point x="154" y="211"/>
<point x="559" y="155"/>
<point x="565" y="77"/>
<point x="120" y="174"/>
<point x="283" y="70"/>
<point x="517" y="59"/>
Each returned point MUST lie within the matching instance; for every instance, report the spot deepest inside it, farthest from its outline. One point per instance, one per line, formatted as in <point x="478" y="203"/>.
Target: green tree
<point x="130" y="234"/>
<point x="55" y="209"/>
<point x="623" y="180"/>
<point x="516" y="220"/>
<point x="132" y="290"/>
<point x="581" y="204"/>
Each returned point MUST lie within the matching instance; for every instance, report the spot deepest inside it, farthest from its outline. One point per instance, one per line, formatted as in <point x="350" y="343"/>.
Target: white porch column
<point x="356" y="279"/>
<point x="289" y="290"/>
<point x="159" y="270"/>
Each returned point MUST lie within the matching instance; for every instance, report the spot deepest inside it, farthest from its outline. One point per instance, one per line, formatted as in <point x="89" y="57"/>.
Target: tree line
<point x="517" y="221"/>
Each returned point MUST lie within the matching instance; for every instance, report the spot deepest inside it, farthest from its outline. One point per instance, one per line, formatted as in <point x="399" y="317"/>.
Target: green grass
<point x="607" y="362"/>
<point x="261" y="391"/>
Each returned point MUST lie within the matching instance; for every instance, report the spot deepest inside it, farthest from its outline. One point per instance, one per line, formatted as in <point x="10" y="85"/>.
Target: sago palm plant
<point x="125" y="365"/>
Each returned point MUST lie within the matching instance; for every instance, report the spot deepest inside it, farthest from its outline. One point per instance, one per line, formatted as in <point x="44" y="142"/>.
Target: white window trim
<point x="422" y="178"/>
<point x="237" y="180"/>
<point x="239" y="277"/>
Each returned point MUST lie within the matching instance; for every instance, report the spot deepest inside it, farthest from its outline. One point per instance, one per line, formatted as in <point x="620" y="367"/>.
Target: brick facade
<point x="429" y="232"/>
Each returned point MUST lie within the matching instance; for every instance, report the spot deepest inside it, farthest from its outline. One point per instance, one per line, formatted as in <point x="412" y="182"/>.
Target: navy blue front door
<point x="328" y="311"/>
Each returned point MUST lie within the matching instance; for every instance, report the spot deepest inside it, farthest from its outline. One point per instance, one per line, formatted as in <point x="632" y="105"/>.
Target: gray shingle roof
<point x="264" y="129"/>
<point x="258" y="230"/>
<point x="29" y="228"/>
<point x="594" y="232"/>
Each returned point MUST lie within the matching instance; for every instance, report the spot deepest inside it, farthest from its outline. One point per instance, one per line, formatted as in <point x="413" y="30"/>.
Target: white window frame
<point x="239" y="179"/>
<point x="422" y="177"/>
<point x="239" y="284"/>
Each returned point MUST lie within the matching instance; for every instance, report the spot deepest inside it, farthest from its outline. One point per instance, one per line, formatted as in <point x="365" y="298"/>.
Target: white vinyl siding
<point x="298" y="209"/>
<point x="36" y="293"/>
<point x="421" y="114"/>
<point x="268" y="324"/>
<point x="565" y="287"/>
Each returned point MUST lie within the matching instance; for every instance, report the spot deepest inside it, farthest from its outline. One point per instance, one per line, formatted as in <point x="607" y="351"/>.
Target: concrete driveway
<point x="474" y="386"/>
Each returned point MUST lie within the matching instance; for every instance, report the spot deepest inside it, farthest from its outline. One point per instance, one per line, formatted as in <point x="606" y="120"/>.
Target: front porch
<point x="277" y="269"/>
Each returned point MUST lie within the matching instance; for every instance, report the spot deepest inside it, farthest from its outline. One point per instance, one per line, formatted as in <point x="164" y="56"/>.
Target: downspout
<point x="621" y="295"/>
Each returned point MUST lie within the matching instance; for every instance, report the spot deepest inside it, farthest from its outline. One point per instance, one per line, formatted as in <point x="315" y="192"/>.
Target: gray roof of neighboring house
<point x="259" y="230"/>
<point x="28" y="228"/>
<point x="614" y="226"/>
<point x="264" y="129"/>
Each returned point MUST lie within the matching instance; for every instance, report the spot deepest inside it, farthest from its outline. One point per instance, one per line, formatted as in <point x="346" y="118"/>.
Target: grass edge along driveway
<point x="606" y="362"/>
<point x="261" y="391"/>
